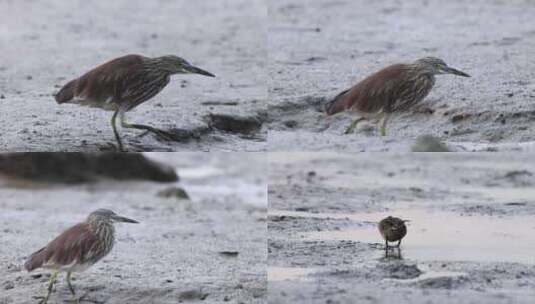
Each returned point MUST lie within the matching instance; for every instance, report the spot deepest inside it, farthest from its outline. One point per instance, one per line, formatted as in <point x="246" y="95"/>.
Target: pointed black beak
<point x="195" y="70"/>
<point x="122" y="219"/>
<point x="455" y="72"/>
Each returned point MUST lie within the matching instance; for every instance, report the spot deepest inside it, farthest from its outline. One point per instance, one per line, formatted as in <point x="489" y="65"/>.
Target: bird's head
<point x="177" y="65"/>
<point x="437" y="66"/>
<point x="108" y="216"/>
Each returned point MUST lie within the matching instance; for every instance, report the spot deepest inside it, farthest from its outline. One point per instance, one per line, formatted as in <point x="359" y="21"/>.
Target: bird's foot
<point x="382" y="131"/>
<point x="350" y="129"/>
<point x="77" y="300"/>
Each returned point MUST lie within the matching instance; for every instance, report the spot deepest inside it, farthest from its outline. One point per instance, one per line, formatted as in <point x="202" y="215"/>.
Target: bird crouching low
<point x="396" y="88"/>
<point x="77" y="248"/>
<point x="124" y="83"/>
<point x="392" y="229"/>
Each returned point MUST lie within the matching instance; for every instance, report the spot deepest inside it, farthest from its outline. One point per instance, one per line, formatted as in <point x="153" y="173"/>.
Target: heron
<point x="123" y="83"/>
<point x="77" y="248"/>
<point x="394" y="89"/>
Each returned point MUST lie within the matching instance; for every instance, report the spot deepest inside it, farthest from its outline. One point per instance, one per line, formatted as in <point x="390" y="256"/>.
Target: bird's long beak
<point x="195" y="70"/>
<point x="455" y="72"/>
<point x="118" y="218"/>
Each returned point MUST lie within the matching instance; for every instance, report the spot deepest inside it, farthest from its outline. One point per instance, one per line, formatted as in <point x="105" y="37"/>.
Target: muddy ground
<point x="209" y="249"/>
<point x="46" y="43"/>
<point x="319" y="48"/>
<point x="470" y="235"/>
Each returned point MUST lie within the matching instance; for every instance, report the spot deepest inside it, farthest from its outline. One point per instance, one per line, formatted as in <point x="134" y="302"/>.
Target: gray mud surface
<point x="470" y="239"/>
<point x="46" y="43"/>
<point x="209" y="249"/>
<point x="319" y="48"/>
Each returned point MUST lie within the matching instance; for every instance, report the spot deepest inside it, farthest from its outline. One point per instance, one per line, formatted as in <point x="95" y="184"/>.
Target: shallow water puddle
<point x="288" y="273"/>
<point x="442" y="235"/>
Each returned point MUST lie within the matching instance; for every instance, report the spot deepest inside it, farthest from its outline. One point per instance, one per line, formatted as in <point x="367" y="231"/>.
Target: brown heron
<point x="77" y="248"/>
<point x="392" y="229"/>
<point x="395" y="88"/>
<point x="124" y="83"/>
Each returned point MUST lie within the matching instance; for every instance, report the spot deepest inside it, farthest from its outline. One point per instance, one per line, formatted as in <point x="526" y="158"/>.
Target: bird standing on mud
<point x="124" y="83"/>
<point x="77" y="248"/>
<point x="392" y="229"/>
<point x="393" y="89"/>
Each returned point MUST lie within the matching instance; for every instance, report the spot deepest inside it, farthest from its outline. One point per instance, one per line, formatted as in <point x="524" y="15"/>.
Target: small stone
<point x="229" y="253"/>
<point x="174" y="192"/>
<point x="2" y="96"/>
<point x="429" y="143"/>
<point x="29" y="77"/>
<point x="8" y="285"/>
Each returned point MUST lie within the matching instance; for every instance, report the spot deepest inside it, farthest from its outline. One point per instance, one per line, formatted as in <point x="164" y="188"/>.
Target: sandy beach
<point x="469" y="237"/>
<point x="211" y="248"/>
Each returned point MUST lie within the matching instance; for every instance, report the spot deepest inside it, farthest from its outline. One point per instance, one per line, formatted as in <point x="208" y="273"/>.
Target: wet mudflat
<point x="319" y="48"/>
<point x="46" y="43"/>
<point x="209" y="248"/>
<point x="470" y="235"/>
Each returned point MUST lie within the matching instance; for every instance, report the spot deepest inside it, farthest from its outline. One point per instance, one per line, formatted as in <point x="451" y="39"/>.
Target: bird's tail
<point x="66" y="93"/>
<point x="36" y="260"/>
<point x="337" y="104"/>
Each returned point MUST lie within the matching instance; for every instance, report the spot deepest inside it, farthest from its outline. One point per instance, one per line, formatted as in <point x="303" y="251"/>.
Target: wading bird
<point x="124" y="83"/>
<point x="392" y="229"/>
<point x="394" y="89"/>
<point x="77" y="248"/>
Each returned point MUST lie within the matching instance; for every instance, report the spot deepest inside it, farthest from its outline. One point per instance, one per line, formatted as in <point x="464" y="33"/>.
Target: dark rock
<point x="442" y="283"/>
<point x="83" y="167"/>
<point x="229" y="253"/>
<point x="291" y="124"/>
<point x="174" y="192"/>
<point x="399" y="271"/>
<point x="461" y="116"/>
<point x="234" y="124"/>
<point x="8" y="285"/>
<point x="190" y="295"/>
<point x="429" y="143"/>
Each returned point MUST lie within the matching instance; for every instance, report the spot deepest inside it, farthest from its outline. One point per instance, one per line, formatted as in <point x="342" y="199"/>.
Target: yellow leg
<point x="69" y="283"/>
<point x="384" y="120"/>
<point x="50" y="286"/>
<point x="114" y="126"/>
<point x="353" y="125"/>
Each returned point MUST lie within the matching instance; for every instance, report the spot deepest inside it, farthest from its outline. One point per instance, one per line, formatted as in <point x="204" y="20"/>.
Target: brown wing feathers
<point x="101" y="82"/>
<point x="369" y="95"/>
<point x="36" y="260"/>
<point x="68" y="247"/>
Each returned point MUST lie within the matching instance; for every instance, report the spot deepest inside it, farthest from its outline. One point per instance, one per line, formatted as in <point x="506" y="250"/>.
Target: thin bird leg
<point x="160" y="133"/>
<point x="119" y="142"/>
<point x="353" y="125"/>
<point x="50" y="286"/>
<point x="399" y="243"/>
<point x="69" y="283"/>
<point x="386" y="245"/>
<point x="384" y="120"/>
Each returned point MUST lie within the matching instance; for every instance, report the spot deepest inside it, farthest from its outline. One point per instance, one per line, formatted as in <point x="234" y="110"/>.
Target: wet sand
<point x="46" y="43"/>
<point x="176" y="254"/>
<point x="319" y="48"/>
<point x="470" y="235"/>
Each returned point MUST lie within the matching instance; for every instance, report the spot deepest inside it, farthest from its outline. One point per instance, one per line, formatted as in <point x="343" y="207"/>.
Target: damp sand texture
<point x="210" y="248"/>
<point x="44" y="44"/>
<point x="469" y="240"/>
